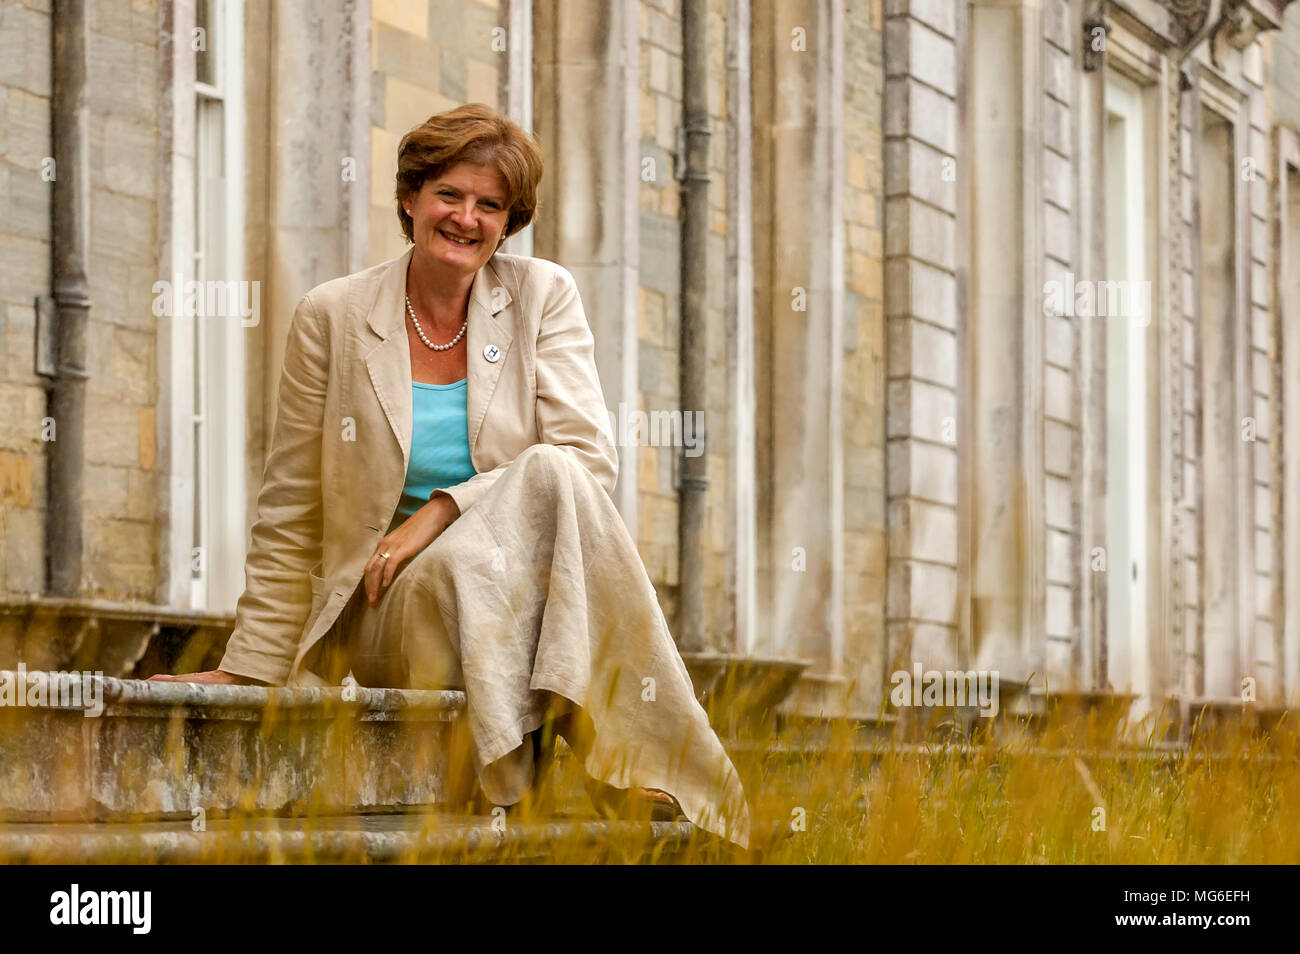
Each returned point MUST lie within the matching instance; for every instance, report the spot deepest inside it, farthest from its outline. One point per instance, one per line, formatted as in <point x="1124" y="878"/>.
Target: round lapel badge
<point x="492" y="353"/>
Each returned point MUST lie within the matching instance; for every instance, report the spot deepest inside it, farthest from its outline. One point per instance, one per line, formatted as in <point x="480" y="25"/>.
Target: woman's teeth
<point x="458" y="241"/>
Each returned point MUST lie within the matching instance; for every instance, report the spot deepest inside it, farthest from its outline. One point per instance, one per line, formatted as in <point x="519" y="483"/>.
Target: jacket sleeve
<point x="286" y="537"/>
<point x="570" y="403"/>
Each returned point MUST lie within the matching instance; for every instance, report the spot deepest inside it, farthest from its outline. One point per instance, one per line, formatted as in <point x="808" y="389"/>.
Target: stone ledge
<point x="165" y="749"/>
<point x="131" y="610"/>
<point x="132" y="696"/>
<point x="142" y="698"/>
<point x="408" y="837"/>
<point x="118" y="638"/>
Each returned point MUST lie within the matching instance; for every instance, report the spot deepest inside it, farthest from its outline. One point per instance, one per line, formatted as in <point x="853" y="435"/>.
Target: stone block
<point x="1058" y="503"/>
<point x="24" y="544"/>
<point x="915" y="169"/>
<point x="1058" y="398"/>
<point x="923" y="591"/>
<point x="1057" y="73"/>
<point x="123" y="226"/>
<point x="1058" y="340"/>
<point x="915" y="110"/>
<point x="1056" y="127"/>
<point x="1058" y="180"/>
<point x="939" y="15"/>
<point x="920" y="409"/>
<point x="126" y="155"/>
<point x="165" y="749"/>
<point x="1263" y="553"/>
<point x="918" y="469"/>
<point x="112" y="433"/>
<point x="921" y="231"/>
<point x="25" y="49"/>
<point x="122" y="78"/>
<point x="28" y="138"/>
<point x="1060" y="558"/>
<point x="912" y="48"/>
<point x="920" y="290"/>
<point x="1058" y="440"/>
<point x="411" y="18"/>
<point x="1058" y="24"/>
<point x="483" y="80"/>
<point x="407" y="106"/>
<point x="923" y="351"/>
<point x="1060" y="615"/>
<point x="1058" y="233"/>
<point x="660" y="253"/>
<point x="923" y="531"/>
<point x="15" y="479"/>
<point x="452" y="74"/>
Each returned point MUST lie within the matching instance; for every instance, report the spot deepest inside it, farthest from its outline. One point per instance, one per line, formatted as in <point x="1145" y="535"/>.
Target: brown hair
<point x="477" y="134"/>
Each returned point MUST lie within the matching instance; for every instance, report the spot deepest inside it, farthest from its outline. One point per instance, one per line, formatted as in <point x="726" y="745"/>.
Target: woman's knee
<point x="552" y="458"/>
<point x="543" y="455"/>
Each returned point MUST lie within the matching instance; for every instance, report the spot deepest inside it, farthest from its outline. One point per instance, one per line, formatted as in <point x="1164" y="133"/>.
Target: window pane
<point x="205" y="59"/>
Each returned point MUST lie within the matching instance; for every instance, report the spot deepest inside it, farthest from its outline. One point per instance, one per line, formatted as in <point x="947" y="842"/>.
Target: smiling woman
<point x="436" y="512"/>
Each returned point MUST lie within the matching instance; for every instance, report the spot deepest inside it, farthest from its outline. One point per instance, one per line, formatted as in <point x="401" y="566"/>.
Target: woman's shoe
<point x="619" y="803"/>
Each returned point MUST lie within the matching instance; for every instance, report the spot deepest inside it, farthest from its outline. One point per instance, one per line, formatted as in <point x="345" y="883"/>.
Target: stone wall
<point x="659" y="62"/>
<point x="427" y="56"/>
<point x="864" y="386"/>
<point x="122" y="530"/>
<point x="922" y="315"/>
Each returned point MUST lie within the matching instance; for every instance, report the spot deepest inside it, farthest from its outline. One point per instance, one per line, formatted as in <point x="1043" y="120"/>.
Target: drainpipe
<point x="694" y="352"/>
<point x="69" y="240"/>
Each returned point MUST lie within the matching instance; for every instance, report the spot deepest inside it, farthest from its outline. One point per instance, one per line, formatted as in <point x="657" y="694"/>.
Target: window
<point x="217" y="366"/>
<point x="1128" y="330"/>
<point x="1220" y="442"/>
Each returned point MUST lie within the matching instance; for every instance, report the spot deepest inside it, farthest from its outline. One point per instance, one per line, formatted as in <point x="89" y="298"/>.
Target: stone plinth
<point x="165" y="750"/>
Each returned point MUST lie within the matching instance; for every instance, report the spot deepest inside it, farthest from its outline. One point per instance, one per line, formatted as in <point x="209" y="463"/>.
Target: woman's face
<point x="458" y="218"/>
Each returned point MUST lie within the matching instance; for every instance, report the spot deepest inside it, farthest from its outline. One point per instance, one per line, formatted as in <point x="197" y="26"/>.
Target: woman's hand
<point x="212" y="677"/>
<point x="413" y="535"/>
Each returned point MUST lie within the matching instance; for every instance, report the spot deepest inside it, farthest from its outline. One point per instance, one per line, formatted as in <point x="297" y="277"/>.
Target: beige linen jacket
<point x="342" y="438"/>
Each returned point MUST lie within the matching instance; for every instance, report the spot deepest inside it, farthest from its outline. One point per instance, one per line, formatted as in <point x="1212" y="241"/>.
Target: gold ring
<point x="385" y="556"/>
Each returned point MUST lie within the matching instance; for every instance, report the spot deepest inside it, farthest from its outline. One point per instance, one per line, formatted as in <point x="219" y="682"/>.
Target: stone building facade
<point x="922" y="442"/>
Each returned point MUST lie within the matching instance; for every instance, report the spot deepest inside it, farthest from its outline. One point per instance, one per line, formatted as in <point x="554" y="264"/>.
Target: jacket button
<point x="492" y="353"/>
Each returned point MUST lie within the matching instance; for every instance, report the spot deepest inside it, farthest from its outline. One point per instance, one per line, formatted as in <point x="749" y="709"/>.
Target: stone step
<point x="84" y="747"/>
<point x="95" y="769"/>
<point x="412" y="837"/>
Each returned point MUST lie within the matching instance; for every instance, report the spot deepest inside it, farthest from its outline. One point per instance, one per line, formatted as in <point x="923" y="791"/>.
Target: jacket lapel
<point x="489" y="326"/>
<point x="389" y="361"/>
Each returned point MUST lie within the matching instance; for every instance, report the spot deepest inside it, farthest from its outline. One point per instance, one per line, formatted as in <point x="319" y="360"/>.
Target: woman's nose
<point x="463" y="215"/>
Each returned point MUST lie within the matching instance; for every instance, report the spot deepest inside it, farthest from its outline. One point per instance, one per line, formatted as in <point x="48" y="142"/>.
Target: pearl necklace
<point x="420" y="331"/>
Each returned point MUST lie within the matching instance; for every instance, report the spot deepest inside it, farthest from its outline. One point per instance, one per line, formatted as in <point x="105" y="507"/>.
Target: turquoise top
<point x="439" y="443"/>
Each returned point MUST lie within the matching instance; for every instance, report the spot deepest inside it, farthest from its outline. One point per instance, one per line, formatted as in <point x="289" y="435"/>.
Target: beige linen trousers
<point x="536" y="591"/>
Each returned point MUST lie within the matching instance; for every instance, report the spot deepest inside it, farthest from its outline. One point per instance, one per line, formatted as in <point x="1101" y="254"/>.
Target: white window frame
<point x="209" y="359"/>
<point x="1129" y="425"/>
<point x="1228" y="653"/>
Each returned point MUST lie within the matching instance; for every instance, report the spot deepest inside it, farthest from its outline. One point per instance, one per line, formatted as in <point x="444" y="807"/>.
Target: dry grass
<point x="834" y="797"/>
<point x="1229" y="798"/>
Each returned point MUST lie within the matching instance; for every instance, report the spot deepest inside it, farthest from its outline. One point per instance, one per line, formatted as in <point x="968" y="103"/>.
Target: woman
<point x="435" y="510"/>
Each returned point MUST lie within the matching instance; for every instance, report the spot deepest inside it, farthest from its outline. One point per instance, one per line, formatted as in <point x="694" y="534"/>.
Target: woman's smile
<point x="457" y="239"/>
<point x="460" y="216"/>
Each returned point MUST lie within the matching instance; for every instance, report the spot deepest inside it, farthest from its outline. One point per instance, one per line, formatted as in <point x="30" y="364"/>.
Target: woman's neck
<point x="441" y="296"/>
